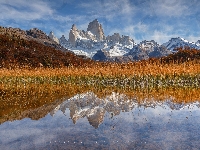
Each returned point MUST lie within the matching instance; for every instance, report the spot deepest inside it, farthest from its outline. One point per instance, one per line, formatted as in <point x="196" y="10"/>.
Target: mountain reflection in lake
<point x="85" y="121"/>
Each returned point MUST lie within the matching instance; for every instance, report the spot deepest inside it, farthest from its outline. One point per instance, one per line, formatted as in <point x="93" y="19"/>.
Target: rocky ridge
<point x="96" y="29"/>
<point x="148" y="49"/>
<point x="198" y="43"/>
<point x="33" y="34"/>
<point x="144" y="50"/>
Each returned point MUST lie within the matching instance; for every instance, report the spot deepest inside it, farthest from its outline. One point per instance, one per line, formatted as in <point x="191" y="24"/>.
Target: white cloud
<point x="131" y="29"/>
<point x="192" y="38"/>
<point x="109" y="9"/>
<point x="161" y="37"/>
<point x="63" y="19"/>
<point x="24" y="10"/>
<point x="174" y="8"/>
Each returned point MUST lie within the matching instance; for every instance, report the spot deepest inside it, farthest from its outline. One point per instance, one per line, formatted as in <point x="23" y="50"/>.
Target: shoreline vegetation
<point x="141" y="74"/>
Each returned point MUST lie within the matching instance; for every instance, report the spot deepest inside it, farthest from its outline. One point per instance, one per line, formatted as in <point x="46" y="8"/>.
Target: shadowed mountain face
<point x="175" y="43"/>
<point x="148" y="49"/>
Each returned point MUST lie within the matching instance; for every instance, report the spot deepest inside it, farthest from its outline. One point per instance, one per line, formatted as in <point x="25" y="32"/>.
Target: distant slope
<point x="182" y="55"/>
<point x="19" y="52"/>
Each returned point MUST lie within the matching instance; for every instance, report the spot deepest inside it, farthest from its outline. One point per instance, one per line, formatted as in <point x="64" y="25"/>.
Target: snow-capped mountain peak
<point x="174" y="43"/>
<point x="198" y="43"/>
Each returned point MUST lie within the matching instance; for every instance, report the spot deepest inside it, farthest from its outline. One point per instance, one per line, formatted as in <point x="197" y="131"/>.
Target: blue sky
<point x="157" y="20"/>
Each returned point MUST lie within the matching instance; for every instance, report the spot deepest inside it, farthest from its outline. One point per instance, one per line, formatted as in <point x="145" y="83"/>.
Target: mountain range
<point x="94" y="44"/>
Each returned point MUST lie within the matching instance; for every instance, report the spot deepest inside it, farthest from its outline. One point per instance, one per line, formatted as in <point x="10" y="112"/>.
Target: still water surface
<point x="114" y="122"/>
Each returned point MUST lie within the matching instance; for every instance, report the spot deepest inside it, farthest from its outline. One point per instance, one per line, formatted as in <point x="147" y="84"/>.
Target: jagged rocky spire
<point x="96" y="28"/>
<point x="53" y="37"/>
<point x="73" y="35"/>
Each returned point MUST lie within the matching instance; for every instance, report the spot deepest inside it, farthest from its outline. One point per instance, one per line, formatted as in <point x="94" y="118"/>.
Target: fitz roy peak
<point x="89" y="42"/>
<point x="96" y="29"/>
<point x="94" y="32"/>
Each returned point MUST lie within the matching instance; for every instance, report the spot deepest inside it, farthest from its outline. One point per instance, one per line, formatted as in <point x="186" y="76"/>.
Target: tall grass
<point x="134" y="75"/>
<point x="110" y="69"/>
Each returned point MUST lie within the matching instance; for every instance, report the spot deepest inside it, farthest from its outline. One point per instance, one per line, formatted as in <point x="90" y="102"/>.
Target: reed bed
<point x="111" y="69"/>
<point x="134" y="75"/>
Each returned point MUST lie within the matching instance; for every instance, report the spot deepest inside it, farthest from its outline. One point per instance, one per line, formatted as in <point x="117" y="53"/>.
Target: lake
<point x="88" y="121"/>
